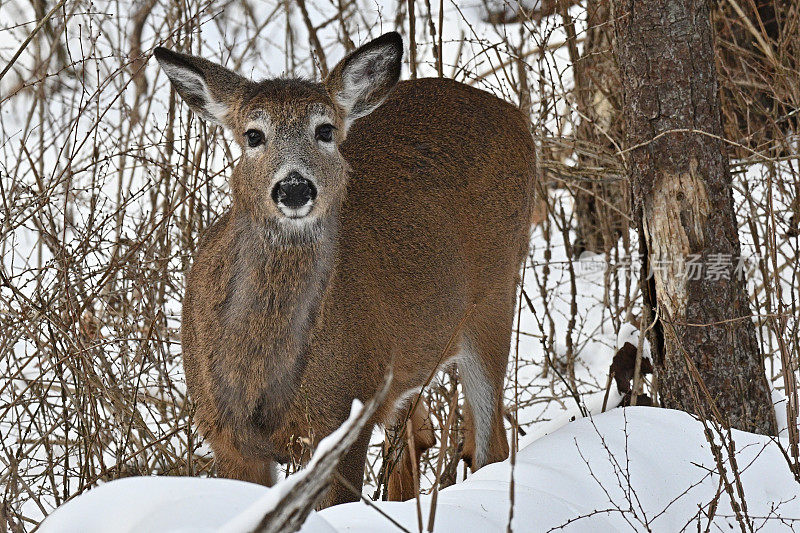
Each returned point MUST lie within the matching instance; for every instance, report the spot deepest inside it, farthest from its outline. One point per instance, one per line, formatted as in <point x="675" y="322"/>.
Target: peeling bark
<point x="682" y="194"/>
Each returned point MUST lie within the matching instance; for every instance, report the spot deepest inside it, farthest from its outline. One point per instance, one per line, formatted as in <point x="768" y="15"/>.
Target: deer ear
<point x="204" y="85"/>
<point x="363" y="79"/>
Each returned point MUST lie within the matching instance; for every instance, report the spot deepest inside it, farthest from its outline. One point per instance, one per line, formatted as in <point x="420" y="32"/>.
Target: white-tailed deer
<point x="371" y="222"/>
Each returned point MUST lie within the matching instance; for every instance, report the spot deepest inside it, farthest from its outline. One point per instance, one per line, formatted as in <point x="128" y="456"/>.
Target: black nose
<point x="294" y="191"/>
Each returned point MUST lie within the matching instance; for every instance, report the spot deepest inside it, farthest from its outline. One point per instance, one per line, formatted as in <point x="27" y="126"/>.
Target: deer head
<point x="291" y="177"/>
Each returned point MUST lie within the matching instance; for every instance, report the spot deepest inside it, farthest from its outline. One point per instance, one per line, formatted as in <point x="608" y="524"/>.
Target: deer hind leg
<point x="482" y="368"/>
<point x="401" y="485"/>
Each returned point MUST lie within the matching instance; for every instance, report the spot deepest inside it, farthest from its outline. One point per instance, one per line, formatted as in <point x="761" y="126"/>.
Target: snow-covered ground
<point x="634" y="469"/>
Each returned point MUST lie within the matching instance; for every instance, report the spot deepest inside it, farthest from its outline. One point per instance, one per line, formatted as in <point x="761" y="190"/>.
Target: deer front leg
<point x="231" y="463"/>
<point x="348" y="478"/>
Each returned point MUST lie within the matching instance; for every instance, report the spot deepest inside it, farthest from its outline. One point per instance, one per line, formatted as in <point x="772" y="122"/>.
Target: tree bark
<point x="682" y="196"/>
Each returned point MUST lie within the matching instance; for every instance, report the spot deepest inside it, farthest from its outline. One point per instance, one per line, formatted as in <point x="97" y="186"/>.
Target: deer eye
<point x="254" y="138"/>
<point x="324" y="133"/>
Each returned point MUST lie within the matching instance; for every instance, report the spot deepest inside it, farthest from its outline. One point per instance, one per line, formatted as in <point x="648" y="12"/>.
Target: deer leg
<point x="482" y="368"/>
<point x="401" y="485"/>
<point x="232" y="464"/>
<point x="351" y="470"/>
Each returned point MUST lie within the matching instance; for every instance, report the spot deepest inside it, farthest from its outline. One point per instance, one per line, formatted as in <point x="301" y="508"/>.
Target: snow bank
<point x="639" y="468"/>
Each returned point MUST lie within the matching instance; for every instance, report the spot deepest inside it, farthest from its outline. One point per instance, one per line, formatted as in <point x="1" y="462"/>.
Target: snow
<point x="638" y="468"/>
<point x="147" y="503"/>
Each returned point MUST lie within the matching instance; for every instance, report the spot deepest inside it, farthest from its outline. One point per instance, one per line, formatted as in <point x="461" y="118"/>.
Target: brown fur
<point x="423" y="220"/>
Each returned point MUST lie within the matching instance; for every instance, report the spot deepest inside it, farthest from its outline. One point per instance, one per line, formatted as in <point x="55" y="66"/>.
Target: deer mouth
<point x="296" y="213"/>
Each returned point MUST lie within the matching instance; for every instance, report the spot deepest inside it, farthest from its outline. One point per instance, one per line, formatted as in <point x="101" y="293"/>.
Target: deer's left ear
<point x="363" y="79"/>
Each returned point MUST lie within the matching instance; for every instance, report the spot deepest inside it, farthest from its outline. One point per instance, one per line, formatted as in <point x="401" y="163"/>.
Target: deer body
<point x="411" y="262"/>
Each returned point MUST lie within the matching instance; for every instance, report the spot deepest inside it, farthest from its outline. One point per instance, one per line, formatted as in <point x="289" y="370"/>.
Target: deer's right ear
<point x="204" y="85"/>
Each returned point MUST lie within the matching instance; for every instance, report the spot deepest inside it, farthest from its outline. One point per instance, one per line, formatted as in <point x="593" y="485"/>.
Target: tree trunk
<point x="705" y="347"/>
<point x="601" y="206"/>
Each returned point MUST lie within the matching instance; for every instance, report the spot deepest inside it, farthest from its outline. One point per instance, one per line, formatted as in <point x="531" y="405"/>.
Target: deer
<point x="375" y="226"/>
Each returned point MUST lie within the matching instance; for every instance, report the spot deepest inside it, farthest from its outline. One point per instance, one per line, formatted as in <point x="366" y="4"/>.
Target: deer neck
<point x="282" y="283"/>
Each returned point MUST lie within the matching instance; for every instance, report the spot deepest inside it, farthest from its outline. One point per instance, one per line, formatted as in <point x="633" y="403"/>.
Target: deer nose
<point x="294" y="191"/>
